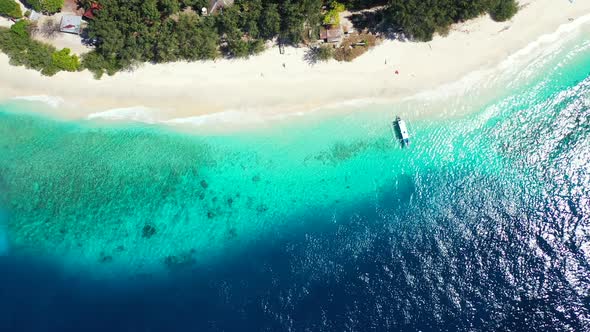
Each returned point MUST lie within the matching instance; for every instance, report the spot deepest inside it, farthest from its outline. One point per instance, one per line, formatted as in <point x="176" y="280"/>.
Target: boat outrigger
<point x="400" y="125"/>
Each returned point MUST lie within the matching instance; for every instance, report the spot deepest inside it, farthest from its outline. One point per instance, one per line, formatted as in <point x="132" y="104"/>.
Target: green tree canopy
<point x="21" y="29"/>
<point x="420" y="19"/>
<point x="46" y="6"/>
<point x="23" y="51"/>
<point x="270" y="22"/>
<point x="503" y="10"/>
<point x="10" y="8"/>
<point x="63" y="60"/>
<point x="332" y="17"/>
<point x="128" y="32"/>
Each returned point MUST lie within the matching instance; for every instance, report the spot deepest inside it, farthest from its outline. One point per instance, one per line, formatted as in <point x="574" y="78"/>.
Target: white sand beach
<point x="264" y="85"/>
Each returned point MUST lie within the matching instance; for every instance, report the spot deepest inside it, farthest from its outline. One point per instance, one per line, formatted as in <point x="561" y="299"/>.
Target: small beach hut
<point x="331" y="35"/>
<point x="71" y="24"/>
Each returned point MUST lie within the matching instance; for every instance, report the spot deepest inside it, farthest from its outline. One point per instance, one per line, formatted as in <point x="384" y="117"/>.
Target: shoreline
<point x="261" y="89"/>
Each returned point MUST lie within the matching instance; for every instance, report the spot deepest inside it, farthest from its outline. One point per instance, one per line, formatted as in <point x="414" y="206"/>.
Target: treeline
<point x="126" y="32"/>
<point x="420" y="19"/>
<point x="129" y="32"/>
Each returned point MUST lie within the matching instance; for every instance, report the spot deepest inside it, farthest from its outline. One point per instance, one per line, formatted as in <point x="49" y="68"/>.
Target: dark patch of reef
<point x="148" y="231"/>
<point x="181" y="261"/>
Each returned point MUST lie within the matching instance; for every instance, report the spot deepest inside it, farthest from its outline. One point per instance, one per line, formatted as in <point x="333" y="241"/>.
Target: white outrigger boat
<point x="403" y="130"/>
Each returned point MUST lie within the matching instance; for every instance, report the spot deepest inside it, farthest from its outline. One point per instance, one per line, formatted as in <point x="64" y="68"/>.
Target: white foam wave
<point x="136" y="114"/>
<point x="148" y="115"/>
<point x="232" y="117"/>
<point x="353" y="103"/>
<point x="52" y="101"/>
<point x="471" y="81"/>
<point x="461" y="87"/>
<point x="226" y="117"/>
<point x="548" y="39"/>
<point x="544" y="44"/>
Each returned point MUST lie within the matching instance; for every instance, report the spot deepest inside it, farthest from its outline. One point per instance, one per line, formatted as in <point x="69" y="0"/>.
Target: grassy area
<point x="354" y="46"/>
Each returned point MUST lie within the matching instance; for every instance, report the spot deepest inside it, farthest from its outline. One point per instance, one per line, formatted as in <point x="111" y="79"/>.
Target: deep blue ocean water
<point x="482" y="225"/>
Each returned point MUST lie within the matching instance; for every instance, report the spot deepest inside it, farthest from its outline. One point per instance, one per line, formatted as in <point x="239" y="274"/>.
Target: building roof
<point x="331" y="35"/>
<point x="71" y="24"/>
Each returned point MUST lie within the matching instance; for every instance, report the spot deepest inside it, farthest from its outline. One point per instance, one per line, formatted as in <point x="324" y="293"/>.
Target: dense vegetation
<point x="503" y="10"/>
<point x="131" y="31"/>
<point x="128" y="32"/>
<point x="46" y="6"/>
<point x="420" y="19"/>
<point x="10" y="8"/>
<point x="24" y="51"/>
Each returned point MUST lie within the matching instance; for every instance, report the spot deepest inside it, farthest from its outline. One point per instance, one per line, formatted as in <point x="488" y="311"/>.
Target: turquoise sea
<point x="320" y="224"/>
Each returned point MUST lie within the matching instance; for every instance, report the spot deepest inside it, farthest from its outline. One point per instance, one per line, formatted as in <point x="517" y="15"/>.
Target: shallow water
<point x="483" y="224"/>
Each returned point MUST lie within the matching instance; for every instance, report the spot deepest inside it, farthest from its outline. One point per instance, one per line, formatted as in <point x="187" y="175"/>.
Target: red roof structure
<point x="89" y="14"/>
